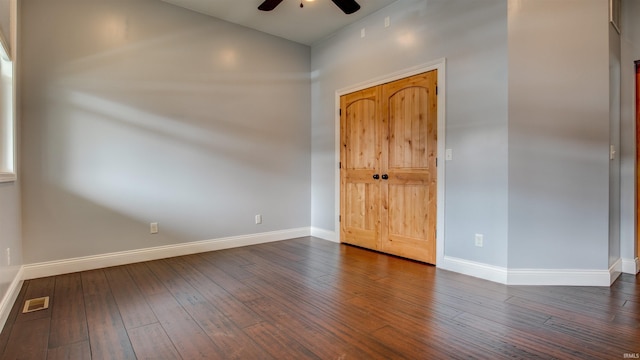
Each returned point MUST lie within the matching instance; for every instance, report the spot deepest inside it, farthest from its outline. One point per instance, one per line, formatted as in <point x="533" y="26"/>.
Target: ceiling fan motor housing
<point x="347" y="6"/>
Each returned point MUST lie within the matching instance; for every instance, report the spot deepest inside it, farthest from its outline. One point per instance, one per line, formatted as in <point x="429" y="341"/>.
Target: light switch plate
<point x="612" y="152"/>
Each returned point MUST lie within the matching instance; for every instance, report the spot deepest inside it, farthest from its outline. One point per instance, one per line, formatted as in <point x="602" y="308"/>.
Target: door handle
<point x="376" y="176"/>
<point x="385" y="176"/>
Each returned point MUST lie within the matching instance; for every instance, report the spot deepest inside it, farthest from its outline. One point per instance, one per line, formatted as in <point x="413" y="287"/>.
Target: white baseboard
<point x="325" y="234"/>
<point x="483" y="271"/>
<point x="66" y="266"/>
<point x="631" y="266"/>
<point x="559" y="277"/>
<point x="568" y="277"/>
<point x="564" y="277"/>
<point x="614" y="271"/>
<point x="10" y="297"/>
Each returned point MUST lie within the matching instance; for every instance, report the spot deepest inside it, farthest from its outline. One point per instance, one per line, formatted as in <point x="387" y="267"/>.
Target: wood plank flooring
<point x="311" y="299"/>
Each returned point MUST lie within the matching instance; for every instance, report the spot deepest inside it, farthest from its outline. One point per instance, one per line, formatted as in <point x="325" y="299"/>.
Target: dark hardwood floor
<point x="311" y="299"/>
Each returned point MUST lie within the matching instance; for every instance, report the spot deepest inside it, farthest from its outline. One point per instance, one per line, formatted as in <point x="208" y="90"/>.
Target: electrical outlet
<point x="258" y="219"/>
<point x="386" y="22"/>
<point x="362" y="33"/>
<point x="8" y="256"/>
<point x="153" y="228"/>
<point x="479" y="240"/>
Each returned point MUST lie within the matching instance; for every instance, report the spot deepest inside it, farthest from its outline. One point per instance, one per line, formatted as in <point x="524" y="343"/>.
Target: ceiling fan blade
<point x="348" y="6"/>
<point x="269" y="5"/>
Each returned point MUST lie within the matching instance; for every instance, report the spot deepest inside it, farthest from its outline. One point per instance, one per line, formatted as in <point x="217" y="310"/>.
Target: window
<point x="7" y="115"/>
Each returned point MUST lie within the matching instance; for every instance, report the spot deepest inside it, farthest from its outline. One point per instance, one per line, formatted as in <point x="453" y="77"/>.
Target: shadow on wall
<point x="191" y="122"/>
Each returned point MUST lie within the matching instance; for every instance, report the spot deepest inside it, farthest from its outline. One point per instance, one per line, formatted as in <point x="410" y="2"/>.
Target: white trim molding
<point x="7" y="177"/>
<point x="476" y="269"/>
<point x="10" y="297"/>
<point x="563" y="277"/>
<point x="58" y="267"/>
<point x="614" y="271"/>
<point x="631" y="266"/>
<point x="325" y="234"/>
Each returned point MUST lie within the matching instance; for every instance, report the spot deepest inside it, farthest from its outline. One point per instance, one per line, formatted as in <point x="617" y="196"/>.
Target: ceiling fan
<point x="348" y="6"/>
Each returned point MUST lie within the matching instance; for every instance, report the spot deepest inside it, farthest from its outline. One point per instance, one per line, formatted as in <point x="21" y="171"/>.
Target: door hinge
<point x="339" y="218"/>
<point x="436" y="162"/>
<point x="436" y="90"/>
<point x="340" y="112"/>
<point x="340" y="165"/>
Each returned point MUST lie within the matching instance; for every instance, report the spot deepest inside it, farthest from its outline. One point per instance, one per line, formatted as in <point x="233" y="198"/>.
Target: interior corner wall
<point x="10" y="237"/>
<point x="559" y="133"/>
<point x="630" y="50"/>
<point x="10" y="226"/>
<point x="5" y="15"/>
<point x="472" y="36"/>
<point x="614" y="140"/>
<point x="141" y="111"/>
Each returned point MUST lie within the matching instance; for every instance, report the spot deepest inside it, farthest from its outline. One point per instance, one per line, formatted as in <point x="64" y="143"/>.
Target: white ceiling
<point x="317" y="20"/>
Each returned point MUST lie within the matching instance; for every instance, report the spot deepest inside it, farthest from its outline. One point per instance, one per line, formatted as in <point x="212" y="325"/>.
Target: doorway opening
<point x="389" y="167"/>
<point x="440" y="66"/>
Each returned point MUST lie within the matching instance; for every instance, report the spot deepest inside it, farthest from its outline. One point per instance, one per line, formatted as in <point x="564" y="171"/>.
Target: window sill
<point x="7" y="177"/>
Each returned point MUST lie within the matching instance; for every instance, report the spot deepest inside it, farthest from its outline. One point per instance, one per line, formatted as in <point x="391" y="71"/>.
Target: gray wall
<point x="5" y="14"/>
<point x="558" y="134"/>
<point x="614" y="140"/>
<point x="630" y="52"/>
<point x="472" y="35"/>
<point x="10" y="232"/>
<point x="127" y="122"/>
<point x="139" y="111"/>
<point x="556" y="196"/>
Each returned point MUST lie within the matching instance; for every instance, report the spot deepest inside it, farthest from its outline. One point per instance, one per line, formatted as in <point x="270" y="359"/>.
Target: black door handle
<point x="376" y="176"/>
<point x="385" y="176"/>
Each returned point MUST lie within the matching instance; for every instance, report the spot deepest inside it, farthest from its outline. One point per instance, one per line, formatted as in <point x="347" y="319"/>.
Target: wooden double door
<point x="388" y="167"/>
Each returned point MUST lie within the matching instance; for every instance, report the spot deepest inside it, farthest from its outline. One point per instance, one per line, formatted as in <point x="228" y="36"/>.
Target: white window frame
<point x="7" y="114"/>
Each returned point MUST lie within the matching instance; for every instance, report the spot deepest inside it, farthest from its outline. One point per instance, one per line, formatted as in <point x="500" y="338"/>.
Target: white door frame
<point x="440" y="65"/>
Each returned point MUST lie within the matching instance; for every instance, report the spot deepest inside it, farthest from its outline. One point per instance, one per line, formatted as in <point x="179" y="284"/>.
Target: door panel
<point x="361" y="202"/>
<point x="410" y="120"/>
<point x="361" y="130"/>
<point x="407" y="217"/>
<point x="360" y="196"/>
<point x="407" y="129"/>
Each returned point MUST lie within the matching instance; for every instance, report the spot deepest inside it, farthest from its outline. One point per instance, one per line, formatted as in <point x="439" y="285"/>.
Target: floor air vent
<point x="32" y="305"/>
